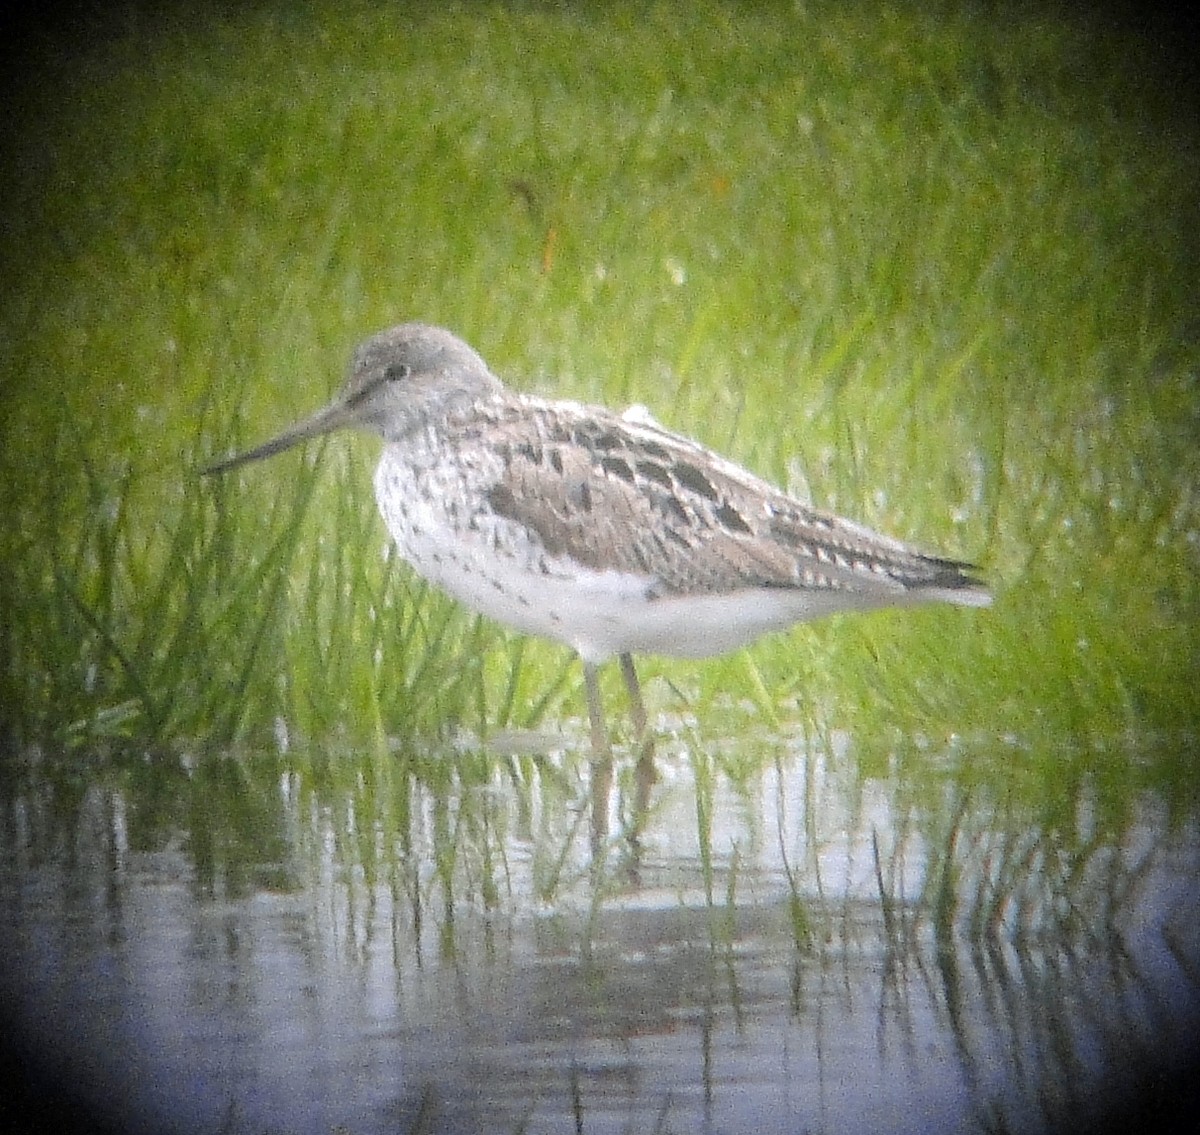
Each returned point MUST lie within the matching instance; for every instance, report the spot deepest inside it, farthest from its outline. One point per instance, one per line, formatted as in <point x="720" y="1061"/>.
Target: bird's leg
<point x="644" y="773"/>
<point x="637" y="707"/>
<point x="602" y="758"/>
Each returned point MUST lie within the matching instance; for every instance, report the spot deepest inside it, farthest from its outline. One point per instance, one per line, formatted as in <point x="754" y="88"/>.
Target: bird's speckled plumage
<point x="600" y="530"/>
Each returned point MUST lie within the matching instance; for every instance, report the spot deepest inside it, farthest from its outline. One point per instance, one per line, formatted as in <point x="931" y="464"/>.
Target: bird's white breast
<point x="437" y="513"/>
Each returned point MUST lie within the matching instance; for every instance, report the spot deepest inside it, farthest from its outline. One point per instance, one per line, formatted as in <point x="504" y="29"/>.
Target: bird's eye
<point x="397" y="372"/>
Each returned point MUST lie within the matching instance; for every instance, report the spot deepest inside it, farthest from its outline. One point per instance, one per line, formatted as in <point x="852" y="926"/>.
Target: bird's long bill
<point x="332" y="417"/>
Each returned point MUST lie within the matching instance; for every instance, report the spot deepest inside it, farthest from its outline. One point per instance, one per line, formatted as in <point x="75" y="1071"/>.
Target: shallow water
<point x="813" y="941"/>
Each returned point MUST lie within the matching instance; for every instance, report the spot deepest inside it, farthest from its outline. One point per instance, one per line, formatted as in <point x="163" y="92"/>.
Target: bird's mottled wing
<point x="612" y="492"/>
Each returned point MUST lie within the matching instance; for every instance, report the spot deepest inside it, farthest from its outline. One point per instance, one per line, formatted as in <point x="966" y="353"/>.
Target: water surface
<point x="816" y="940"/>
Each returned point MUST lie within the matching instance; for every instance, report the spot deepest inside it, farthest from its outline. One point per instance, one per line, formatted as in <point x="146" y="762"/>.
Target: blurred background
<point x="291" y="842"/>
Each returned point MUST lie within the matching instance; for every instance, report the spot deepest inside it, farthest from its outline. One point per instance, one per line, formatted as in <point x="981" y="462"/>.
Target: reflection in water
<point x="421" y="942"/>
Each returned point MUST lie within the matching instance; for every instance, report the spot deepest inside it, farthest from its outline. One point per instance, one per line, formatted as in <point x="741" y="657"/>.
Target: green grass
<point x="938" y="273"/>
